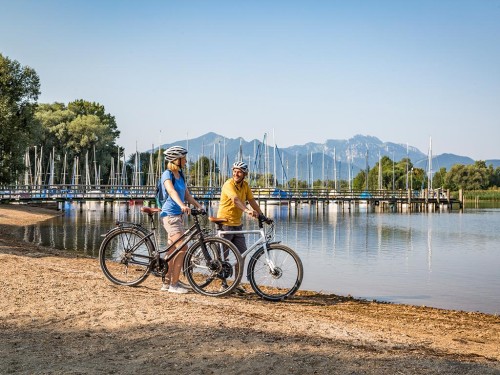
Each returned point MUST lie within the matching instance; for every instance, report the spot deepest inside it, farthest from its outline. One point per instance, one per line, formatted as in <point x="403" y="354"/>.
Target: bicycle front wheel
<point x="125" y="256"/>
<point x="277" y="274"/>
<point x="213" y="267"/>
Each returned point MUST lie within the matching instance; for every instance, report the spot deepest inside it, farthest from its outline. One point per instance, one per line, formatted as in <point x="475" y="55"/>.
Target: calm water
<point x="449" y="259"/>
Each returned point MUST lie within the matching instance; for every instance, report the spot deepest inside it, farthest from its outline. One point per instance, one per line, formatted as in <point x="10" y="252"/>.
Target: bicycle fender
<point x="120" y="226"/>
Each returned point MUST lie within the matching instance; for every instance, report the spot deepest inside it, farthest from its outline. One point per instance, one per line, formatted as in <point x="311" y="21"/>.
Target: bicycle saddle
<point x="150" y="210"/>
<point x="217" y="220"/>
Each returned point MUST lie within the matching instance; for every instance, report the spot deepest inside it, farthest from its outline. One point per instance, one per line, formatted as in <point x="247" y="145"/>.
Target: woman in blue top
<point x="173" y="210"/>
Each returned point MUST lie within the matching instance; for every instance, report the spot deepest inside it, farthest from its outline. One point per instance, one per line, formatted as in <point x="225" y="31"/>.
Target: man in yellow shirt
<point x="234" y="195"/>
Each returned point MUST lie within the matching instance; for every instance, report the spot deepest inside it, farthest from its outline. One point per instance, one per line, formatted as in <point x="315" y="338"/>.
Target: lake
<point x="447" y="259"/>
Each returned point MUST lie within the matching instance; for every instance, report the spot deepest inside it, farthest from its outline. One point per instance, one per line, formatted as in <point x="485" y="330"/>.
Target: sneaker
<point x="177" y="289"/>
<point x="164" y="287"/>
<point x="240" y="290"/>
<point x="223" y="287"/>
<point x="184" y="285"/>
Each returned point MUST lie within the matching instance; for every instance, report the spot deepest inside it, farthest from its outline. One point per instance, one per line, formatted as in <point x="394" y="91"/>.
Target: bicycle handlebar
<point x="264" y="219"/>
<point x="196" y="212"/>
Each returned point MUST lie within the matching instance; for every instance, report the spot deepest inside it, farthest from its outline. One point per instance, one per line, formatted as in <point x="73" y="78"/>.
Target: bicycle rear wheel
<point x="283" y="281"/>
<point x="125" y="256"/>
<point x="216" y="271"/>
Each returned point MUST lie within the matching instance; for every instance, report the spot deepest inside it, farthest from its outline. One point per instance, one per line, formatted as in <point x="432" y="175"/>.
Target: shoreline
<point x="60" y="308"/>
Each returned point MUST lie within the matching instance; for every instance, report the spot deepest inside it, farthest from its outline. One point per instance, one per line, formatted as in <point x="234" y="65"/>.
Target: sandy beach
<point x="60" y="315"/>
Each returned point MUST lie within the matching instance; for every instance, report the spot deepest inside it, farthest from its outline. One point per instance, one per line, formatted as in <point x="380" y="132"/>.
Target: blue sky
<point x="402" y="71"/>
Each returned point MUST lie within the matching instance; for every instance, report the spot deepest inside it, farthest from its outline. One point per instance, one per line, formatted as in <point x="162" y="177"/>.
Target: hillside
<point x="312" y="161"/>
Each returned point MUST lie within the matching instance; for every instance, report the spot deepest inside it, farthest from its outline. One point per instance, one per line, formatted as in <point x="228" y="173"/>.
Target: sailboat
<point x="365" y="195"/>
<point x="278" y="196"/>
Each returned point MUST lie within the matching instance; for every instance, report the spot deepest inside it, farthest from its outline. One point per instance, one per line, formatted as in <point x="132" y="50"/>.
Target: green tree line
<point x="403" y="175"/>
<point x="79" y="139"/>
<point x="53" y="137"/>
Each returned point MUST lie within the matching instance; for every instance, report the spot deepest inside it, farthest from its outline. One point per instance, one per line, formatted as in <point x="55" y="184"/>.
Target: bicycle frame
<point x="274" y="271"/>
<point x="193" y="231"/>
<point x="260" y="242"/>
<point x="210" y="263"/>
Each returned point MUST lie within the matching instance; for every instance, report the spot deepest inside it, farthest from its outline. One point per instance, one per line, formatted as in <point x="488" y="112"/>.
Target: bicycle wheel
<point x="216" y="271"/>
<point x="283" y="281"/>
<point x="125" y="256"/>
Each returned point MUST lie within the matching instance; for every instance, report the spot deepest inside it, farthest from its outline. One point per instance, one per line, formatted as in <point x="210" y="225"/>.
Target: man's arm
<point x="256" y="208"/>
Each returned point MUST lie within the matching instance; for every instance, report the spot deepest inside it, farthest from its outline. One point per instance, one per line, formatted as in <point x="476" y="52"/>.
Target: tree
<point x="19" y="90"/>
<point x="469" y="177"/>
<point x="495" y="177"/>
<point x="478" y="176"/>
<point x="79" y="130"/>
<point x="438" y="180"/>
<point x="201" y="169"/>
<point x="359" y="182"/>
<point x="418" y="178"/>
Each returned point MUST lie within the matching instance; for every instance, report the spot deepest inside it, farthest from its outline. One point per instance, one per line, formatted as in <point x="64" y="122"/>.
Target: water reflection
<point x="442" y="259"/>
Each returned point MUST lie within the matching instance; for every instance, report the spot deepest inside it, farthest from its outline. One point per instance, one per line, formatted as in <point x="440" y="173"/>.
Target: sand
<point x="60" y="315"/>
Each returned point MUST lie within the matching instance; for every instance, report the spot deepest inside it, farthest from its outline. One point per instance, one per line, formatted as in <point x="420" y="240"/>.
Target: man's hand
<point x="252" y="213"/>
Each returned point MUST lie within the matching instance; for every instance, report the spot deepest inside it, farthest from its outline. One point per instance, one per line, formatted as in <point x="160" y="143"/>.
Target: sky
<point x="299" y="71"/>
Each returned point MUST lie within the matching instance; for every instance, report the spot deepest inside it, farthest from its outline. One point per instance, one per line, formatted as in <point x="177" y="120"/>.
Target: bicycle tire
<point x="219" y="276"/>
<point x="286" y="278"/>
<point x="125" y="256"/>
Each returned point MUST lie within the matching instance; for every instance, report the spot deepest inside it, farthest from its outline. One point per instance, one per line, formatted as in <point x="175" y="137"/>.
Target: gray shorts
<point x="237" y="239"/>
<point x="174" y="224"/>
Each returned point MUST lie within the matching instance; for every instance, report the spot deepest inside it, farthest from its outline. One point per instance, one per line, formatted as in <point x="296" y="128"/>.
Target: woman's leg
<point x="176" y="262"/>
<point x="174" y="227"/>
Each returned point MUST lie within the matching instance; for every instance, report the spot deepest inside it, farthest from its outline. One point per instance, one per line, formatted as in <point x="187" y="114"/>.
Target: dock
<point x="345" y="200"/>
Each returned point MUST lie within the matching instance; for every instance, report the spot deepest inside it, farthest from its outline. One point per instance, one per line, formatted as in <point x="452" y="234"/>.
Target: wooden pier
<point x="375" y="200"/>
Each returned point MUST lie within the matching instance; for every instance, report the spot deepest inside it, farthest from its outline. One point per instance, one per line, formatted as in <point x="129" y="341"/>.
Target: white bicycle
<point x="275" y="271"/>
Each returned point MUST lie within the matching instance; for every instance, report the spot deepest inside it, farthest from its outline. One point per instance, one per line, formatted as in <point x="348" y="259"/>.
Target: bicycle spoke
<point x="213" y="271"/>
<point x="277" y="275"/>
<point x="124" y="256"/>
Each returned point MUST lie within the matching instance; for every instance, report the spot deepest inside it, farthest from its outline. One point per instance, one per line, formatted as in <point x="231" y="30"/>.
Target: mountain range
<point x="312" y="161"/>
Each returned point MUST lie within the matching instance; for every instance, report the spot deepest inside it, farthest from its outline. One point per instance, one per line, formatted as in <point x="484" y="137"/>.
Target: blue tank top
<point x="170" y="207"/>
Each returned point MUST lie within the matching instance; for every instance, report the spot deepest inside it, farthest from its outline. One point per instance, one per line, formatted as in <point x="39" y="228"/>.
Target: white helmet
<point x="174" y="153"/>
<point x="241" y="166"/>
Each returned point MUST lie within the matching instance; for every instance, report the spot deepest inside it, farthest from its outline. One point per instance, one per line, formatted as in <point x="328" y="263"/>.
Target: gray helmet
<point x="174" y="153"/>
<point x="241" y="166"/>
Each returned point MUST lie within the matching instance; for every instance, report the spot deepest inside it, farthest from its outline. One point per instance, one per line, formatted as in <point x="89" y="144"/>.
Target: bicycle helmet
<point x="174" y="153"/>
<point x="241" y="166"/>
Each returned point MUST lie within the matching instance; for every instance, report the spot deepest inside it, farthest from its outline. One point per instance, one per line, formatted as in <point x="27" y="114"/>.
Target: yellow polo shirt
<point x="227" y="209"/>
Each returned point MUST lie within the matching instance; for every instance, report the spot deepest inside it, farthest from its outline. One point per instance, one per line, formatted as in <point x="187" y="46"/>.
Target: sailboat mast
<point x="366" y="166"/>
<point x="159" y="166"/>
<point x="96" y="174"/>
<point x="407" y="166"/>
<point x="311" y="169"/>
<point x="27" y="168"/>
<point x="429" y="175"/>
<point x="296" y="170"/>
<point x="335" y="168"/>
<point x="323" y="168"/>
<point x="274" y="161"/>
<point x="65" y="164"/>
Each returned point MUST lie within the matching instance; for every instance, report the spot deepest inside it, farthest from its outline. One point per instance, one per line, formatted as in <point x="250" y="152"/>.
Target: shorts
<point x="237" y="239"/>
<point x="174" y="224"/>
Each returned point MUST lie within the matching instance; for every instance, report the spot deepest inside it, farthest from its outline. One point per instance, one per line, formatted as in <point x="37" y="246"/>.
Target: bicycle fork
<point x="273" y="269"/>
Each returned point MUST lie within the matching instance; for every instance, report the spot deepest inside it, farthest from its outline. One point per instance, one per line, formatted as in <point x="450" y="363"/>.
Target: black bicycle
<point x="129" y="254"/>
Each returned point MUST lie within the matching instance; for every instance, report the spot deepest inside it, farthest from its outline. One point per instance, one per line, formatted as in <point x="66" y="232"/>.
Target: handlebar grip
<point x="195" y="211"/>
<point x="265" y="219"/>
